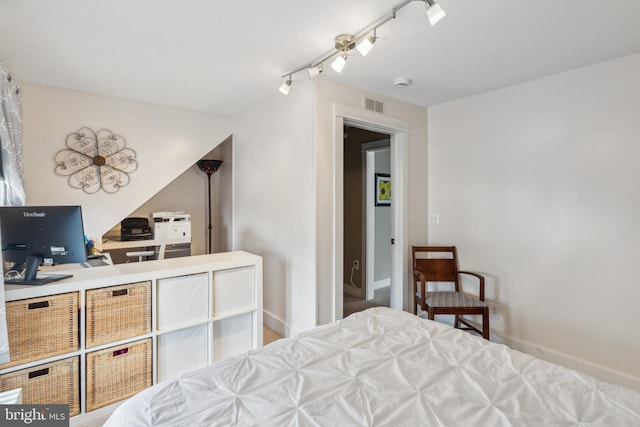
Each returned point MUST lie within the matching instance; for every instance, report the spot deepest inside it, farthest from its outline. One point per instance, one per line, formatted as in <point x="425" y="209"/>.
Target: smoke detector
<point x="402" y="82"/>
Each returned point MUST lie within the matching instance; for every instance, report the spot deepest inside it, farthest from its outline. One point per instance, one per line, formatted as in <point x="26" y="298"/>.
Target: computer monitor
<point x="36" y="234"/>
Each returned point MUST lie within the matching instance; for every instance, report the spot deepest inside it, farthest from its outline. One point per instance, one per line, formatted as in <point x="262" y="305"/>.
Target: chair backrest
<point x="437" y="263"/>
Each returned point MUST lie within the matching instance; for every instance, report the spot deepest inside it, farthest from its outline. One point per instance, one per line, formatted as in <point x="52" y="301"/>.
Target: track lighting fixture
<point x="363" y="41"/>
<point x="434" y="11"/>
<point x="286" y="86"/>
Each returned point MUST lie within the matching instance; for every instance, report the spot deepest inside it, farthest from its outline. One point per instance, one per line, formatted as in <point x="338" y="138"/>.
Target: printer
<point x="171" y="225"/>
<point x="135" y="228"/>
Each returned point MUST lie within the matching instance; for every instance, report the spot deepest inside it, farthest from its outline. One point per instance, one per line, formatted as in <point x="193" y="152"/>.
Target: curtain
<point x="11" y="171"/>
<point x="4" y="336"/>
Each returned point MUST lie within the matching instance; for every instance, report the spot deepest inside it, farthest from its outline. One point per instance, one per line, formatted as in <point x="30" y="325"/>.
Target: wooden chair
<point x="432" y="264"/>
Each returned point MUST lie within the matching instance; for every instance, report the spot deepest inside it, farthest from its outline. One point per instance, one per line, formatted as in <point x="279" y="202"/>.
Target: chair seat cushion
<point x="452" y="299"/>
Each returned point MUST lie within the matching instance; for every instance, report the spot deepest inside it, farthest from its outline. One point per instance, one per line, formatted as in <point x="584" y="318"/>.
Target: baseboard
<point x="596" y="371"/>
<point x="277" y="325"/>
<point x="599" y="372"/>
<point x="381" y="283"/>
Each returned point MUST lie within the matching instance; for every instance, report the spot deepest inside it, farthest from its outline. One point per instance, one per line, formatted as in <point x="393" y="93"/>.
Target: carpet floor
<point x="352" y="304"/>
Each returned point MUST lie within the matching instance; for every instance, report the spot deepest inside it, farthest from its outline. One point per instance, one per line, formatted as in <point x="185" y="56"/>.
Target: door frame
<point x="398" y="131"/>
<point x="369" y="209"/>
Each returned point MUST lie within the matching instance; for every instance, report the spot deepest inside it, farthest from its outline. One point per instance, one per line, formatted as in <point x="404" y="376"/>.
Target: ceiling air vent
<point x="373" y="105"/>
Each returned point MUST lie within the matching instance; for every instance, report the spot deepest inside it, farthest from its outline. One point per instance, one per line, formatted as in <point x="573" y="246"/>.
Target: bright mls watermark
<point x="34" y="415"/>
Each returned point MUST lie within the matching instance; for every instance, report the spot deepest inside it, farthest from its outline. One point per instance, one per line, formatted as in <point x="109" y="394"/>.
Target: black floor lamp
<point x="209" y="167"/>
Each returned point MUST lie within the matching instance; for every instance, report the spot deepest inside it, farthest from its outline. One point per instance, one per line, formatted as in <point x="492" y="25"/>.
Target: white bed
<point x="382" y="367"/>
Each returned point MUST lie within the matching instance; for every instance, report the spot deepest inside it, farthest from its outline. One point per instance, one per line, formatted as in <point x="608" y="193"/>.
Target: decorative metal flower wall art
<point x="95" y="160"/>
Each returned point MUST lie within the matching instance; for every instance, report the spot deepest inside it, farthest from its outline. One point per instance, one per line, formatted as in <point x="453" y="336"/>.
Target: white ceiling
<point x="222" y="56"/>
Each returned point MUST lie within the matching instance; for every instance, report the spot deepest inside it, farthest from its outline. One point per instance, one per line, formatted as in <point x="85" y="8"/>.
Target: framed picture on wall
<point x="383" y="189"/>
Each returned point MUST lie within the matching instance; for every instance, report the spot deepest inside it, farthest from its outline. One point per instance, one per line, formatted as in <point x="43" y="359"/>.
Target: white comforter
<point x="382" y="367"/>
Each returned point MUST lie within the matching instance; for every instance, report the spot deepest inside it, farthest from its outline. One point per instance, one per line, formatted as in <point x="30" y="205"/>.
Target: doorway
<point x="367" y="227"/>
<point x="398" y="131"/>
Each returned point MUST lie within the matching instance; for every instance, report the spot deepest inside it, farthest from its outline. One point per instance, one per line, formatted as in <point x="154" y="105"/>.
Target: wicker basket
<point x="42" y="327"/>
<point x="56" y="383"/>
<point x="118" y="312"/>
<point x="116" y="373"/>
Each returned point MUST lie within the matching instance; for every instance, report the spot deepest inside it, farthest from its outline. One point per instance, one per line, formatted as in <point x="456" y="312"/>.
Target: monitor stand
<point x="31" y="276"/>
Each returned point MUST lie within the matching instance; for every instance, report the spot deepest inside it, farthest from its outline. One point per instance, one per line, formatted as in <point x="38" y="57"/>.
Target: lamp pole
<point x="209" y="167"/>
<point x="209" y="210"/>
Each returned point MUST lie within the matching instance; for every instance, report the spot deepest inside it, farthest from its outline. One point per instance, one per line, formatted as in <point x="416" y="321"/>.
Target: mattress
<point x="382" y="367"/>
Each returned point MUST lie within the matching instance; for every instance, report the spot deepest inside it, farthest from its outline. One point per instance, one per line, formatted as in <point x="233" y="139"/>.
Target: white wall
<point x="188" y="193"/>
<point x="274" y="203"/>
<point x="537" y="185"/>
<point x="222" y="197"/>
<point x="283" y="199"/>
<point x="191" y="186"/>
<point x="167" y="141"/>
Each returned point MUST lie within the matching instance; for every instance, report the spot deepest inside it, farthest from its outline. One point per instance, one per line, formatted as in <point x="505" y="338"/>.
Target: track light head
<point x="365" y="46"/>
<point x="339" y="63"/>
<point x="315" y="71"/>
<point x="284" y="89"/>
<point x="434" y="11"/>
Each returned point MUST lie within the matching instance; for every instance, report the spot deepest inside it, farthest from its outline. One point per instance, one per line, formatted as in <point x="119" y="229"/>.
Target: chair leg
<point x="485" y="323"/>
<point x="431" y="314"/>
<point x="456" y="322"/>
